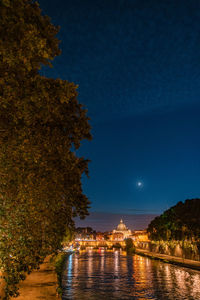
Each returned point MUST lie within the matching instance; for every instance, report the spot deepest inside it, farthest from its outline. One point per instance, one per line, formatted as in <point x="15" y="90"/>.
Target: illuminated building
<point x="121" y="232"/>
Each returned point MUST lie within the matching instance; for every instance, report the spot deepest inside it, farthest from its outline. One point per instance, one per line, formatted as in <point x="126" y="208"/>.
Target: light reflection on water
<point x="114" y="275"/>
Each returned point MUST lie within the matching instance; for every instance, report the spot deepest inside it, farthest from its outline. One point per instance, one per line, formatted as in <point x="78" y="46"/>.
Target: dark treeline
<point x="180" y="222"/>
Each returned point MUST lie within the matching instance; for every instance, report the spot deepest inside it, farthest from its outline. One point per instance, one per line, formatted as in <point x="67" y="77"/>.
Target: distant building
<point x="121" y="232"/>
<point x="99" y="236"/>
<point x="85" y="233"/>
<point x="140" y="236"/>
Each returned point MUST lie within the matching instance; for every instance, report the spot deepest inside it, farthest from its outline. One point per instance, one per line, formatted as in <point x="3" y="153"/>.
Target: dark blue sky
<point x="137" y="64"/>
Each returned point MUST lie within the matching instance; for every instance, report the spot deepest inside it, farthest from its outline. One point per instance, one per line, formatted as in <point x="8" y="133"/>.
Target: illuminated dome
<point x="121" y="232"/>
<point x="121" y="226"/>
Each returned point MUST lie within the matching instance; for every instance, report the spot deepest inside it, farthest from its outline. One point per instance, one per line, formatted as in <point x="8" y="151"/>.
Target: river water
<point x="107" y="275"/>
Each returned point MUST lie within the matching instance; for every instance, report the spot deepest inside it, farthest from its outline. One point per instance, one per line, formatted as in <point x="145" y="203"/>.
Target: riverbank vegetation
<point x="41" y="124"/>
<point x="130" y="248"/>
<point x="177" y="231"/>
<point x="59" y="262"/>
<point x="180" y="222"/>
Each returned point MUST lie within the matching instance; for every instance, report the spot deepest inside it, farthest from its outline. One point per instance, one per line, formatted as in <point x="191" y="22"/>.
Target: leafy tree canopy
<point x="180" y="222"/>
<point x="41" y="122"/>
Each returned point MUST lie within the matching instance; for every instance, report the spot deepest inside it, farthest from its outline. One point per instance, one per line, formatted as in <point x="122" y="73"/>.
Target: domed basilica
<point x="122" y="232"/>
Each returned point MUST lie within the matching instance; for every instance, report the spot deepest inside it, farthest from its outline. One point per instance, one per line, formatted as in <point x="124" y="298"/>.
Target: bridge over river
<point x="101" y="243"/>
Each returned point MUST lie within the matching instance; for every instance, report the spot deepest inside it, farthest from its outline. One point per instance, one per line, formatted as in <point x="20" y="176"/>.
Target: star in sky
<point x="139" y="184"/>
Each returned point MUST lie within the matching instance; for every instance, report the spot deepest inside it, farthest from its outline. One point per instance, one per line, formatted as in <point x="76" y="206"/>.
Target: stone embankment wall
<point x="184" y="249"/>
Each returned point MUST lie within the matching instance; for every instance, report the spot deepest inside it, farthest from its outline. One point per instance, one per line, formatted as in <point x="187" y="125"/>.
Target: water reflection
<point x="116" y="262"/>
<point x="69" y="270"/>
<point x="184" y="283"/>
<point x="102" y="255"/>
<point x="113" y="275"/>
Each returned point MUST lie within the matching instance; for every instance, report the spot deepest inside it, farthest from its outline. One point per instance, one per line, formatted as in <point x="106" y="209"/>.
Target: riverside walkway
<point x="188" y="263"/>
<point x="40" y="284"/>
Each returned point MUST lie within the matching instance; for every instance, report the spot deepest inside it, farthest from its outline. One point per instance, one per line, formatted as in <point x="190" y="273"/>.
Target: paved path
<point x="171" y="259"/>
<point x="40" y="284"/>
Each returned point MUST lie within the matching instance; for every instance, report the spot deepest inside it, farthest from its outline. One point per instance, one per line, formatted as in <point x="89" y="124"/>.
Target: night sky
<point x="137" y="64"/>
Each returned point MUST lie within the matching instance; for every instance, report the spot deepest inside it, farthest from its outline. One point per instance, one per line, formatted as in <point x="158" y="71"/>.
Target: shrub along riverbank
<point x="130" y="248"/>
<point x="59" y="263"/>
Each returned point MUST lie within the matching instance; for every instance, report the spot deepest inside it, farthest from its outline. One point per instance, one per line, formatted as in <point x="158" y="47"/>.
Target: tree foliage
<point x="180" y="222"/>
<point x="130" y="248"/>
<point x="41" y="122"/>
